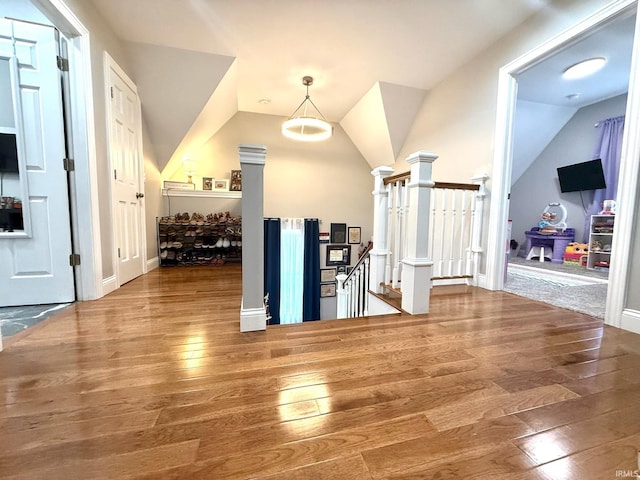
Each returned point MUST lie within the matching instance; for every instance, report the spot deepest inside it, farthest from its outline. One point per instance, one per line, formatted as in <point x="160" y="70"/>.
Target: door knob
<point x="139" y="195"/>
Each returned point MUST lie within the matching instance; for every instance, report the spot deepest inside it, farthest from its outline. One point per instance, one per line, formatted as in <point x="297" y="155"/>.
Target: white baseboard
<point x="253" y="319"/>
<point x="152" y="264"/>
<point x="482" y="281"/>
<point x="109" y="285"/>
<point x="630" y="320"/>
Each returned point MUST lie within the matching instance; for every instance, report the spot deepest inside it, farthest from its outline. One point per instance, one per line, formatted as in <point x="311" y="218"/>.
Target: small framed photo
<point x="236" y="181"/>
<point x="354" y="235"/>
<point x="349" y="270"/>
<point x="207" y="183"/>
<point x="327" y="275"/>
<point x="338" y="233"/>
<point x="338" y="255"/>
<point x="342" y="270"/>
<point x="221" y="185"/>
<point x="327" y="290"/>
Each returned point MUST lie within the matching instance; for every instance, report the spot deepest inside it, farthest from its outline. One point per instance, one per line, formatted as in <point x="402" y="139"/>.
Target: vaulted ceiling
<point x="372" y="60"/>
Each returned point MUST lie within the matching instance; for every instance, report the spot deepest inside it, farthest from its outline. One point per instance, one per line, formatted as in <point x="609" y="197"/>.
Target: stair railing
<point x="353" y="289"/>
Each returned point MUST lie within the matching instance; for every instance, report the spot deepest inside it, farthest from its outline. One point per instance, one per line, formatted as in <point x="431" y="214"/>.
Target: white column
<point x="253" y="315"/>
<point x="343" y="297"/>
<point x="418" y="267"/>
<point x="380" y="249"/>
<point x="476" y="227"/>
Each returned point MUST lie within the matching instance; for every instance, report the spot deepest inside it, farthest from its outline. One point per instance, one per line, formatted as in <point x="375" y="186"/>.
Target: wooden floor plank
<point x="155" y="381"/>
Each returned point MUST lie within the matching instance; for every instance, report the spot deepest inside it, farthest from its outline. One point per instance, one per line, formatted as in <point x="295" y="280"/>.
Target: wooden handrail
<point x="403" y="177"/>
<point x="399" y="177"/>
<point x="457" y="186"/>
<point x="361" y="260"/>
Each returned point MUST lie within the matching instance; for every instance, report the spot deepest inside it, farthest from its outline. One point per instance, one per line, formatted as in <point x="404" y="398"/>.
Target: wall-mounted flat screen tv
<point x="581" y="176"/>
<point x="8" y="153"/>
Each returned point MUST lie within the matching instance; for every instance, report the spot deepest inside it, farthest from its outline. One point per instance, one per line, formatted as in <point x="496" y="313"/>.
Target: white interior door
<point x="34" y="261"/>
<point x="125" y="141"/>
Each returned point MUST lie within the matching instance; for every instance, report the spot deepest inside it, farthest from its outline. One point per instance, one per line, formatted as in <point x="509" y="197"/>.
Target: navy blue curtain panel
<point x="272" y="267"/>
<point x="311" y="298"/>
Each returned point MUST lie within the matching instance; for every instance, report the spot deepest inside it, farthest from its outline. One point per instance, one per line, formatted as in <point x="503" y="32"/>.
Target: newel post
<point x="476" y="225"/>
<point x="253" y="315"/>
<point x="380" y="250"/>
<point x="342" y="300"/>
<point x="417" y="266"/>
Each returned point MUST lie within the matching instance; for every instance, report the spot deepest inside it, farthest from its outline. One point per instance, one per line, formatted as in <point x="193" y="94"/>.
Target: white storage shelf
<point x="175" y="192"/>
<point x="600" y="240"/>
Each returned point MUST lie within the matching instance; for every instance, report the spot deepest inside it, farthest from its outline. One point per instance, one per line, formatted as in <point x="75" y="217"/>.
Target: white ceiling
<point x="347" y="46"/>
<point x="221" y="56"/>
<point x="543" y="83"/>
<point x="543" y="107"/>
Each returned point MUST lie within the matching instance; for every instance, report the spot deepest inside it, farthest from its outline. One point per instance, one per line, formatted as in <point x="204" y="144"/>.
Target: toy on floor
<point x="576" y="254"/>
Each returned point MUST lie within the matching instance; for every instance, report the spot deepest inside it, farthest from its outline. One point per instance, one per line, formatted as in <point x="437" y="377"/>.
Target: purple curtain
<point x="608" y="148"/>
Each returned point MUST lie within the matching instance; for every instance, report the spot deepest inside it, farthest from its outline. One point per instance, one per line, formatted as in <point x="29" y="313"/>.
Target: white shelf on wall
<point x="176" y="192"/>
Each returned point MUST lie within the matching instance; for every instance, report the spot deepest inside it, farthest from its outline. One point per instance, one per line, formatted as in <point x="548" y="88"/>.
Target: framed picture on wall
<point x="338" y="233"/>
<point x="236" y="181"/>
<point x="354" y="235"/>
<point x="327" y="290"/>
<point x="338" y="255"/>
<point x="327" y="275"/>
<point x="207" y="183"/>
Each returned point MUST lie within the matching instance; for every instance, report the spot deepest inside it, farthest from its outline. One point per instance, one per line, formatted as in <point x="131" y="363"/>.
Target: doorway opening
<point x="502" y="169"/>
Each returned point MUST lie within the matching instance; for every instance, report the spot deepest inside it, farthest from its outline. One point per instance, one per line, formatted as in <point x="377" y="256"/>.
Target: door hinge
<point x="115" y="174"/>
<point x="118" y="252"/>
<point x="63" y="63"/>
<point x="69" y="164"/>
<point x="111" y="89"/>
<point x="74" y="259"/>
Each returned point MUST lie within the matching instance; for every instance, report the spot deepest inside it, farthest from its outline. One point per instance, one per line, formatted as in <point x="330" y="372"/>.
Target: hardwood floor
<point x="155" y="381"/>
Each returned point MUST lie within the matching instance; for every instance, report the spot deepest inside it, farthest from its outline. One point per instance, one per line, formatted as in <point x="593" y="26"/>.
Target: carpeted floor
<point x="586" y="294"/>
<point x="16" y="319"/>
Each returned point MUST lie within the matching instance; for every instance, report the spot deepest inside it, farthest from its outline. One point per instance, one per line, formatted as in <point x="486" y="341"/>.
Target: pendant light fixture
<point x="302" y="125"/>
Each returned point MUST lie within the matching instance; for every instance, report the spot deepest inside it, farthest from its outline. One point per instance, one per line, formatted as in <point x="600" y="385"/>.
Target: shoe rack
<point x="195" y="239"/>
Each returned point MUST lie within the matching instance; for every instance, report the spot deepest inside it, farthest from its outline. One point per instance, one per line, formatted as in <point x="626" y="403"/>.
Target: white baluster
<point x="463" y="233"/>
<point x="391" y="247"/>
<point x="452" y="231"/>
<point x="366" y="285"/>
<point x="397" y="237"/>
<point x="443" y="224"/>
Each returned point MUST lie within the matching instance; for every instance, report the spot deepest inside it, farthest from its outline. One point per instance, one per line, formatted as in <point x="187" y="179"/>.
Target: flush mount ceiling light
<point x="584" y="68"/>
<point x="303" y="126"/>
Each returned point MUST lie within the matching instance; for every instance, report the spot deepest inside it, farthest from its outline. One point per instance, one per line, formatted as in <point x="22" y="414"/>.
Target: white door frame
<point x="629" y="169"/>
<point x="85" y="201"/>
<point x="109" y="66"/>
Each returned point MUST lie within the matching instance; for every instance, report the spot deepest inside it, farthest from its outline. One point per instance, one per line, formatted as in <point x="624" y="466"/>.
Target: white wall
<point x="328" y="180"/>
<point x="152" y="197"/>
<point x="458" y="116"/>
<point x="539" y="184"/>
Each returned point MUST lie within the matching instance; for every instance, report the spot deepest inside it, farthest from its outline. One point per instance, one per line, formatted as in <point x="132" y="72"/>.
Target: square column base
<point x="253" y="319"/>
<point x="377" y="265"/>
<point x="416" y="285"/>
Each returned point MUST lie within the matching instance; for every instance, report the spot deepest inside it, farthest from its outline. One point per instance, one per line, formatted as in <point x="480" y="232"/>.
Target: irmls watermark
<point x="630" y="473"/>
